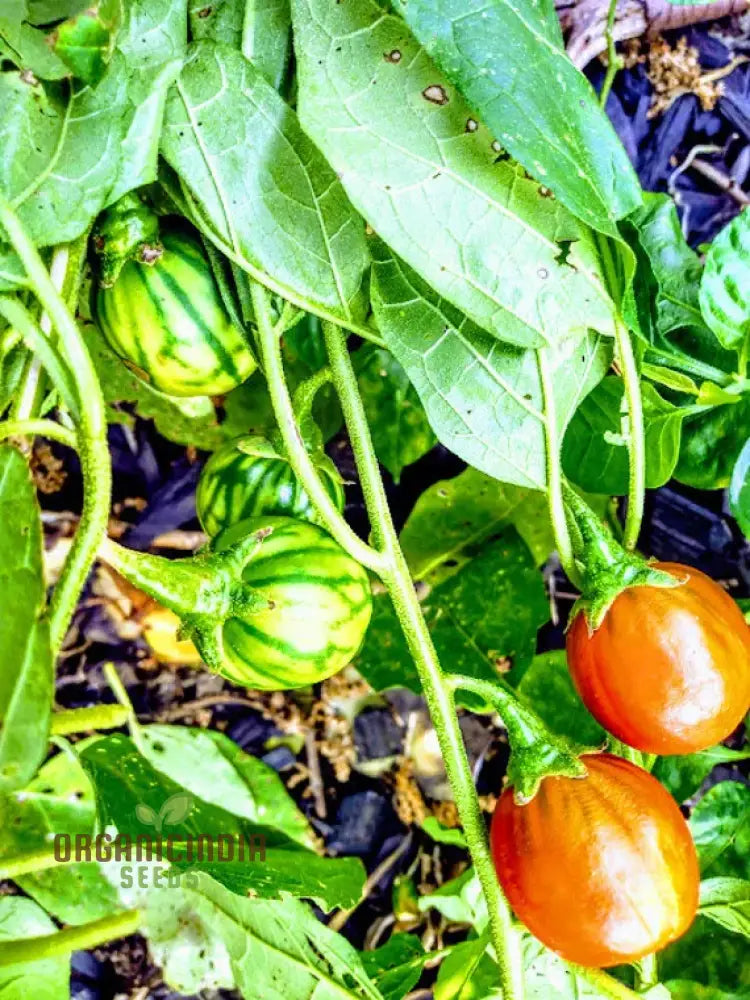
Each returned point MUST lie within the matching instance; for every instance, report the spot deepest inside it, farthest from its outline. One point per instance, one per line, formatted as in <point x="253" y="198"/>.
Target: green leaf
<point x="459" y="900"/>
<point x="85" y="42"/>
<point x="59" y="801"/>
<point x="668" y="271"/>
<point x="490" y="610"/>
<point x="277" y="950"/>
<point x="455" y="516"/>
<point x="547" y="687"/>
<point x="212" y="767"/>
<point x="266" y="37"/>
<point x="739" y="490"/>
<point x="106" y="134"/>
<point x="26" y="46"/>
<point x="726" y="901"/>
<point x="507" y="60"/>
<point x="26" y="681"/>
<point x="219" y="21"/>
<point x="425" y="175"/>
<point x="443" y="834"/>
<point x="467" y="973"/>
<point x="399" y="428"/>
<point x="482" y="397"/>
<point x="396" y="966"/>
<point x="548" y="977"/>
<point x="48" y="11"/>
<point x="125" y="780"/>
<point x="725" y="286"/>
<point x="720" y="824"/>
<point x="711" y="956"/>
<point x="711" y="445"/>
<point x="263" y="188"/>
<point x="681" y="989"/>
<point x="684" y="774"/>
<point x="595" y="453"/>
<point x="46" y="979"/>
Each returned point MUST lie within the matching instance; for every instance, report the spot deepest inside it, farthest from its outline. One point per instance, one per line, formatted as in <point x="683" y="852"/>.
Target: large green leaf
<point x="26" y="679"/>
<point x="45" y="979"/>
<point x="454" y="516"/>
<point x="683" y="774"/>
<point x="482" y="397"/>
<point x="58" y="801"/>
<point x="26" y="46"/>
<point x="595" y="454"/>
<point x="264" y="189"/>
<point x="712" y="443"/>
<point x="509" y="62"/>
<point x="68" y="152"/>
<point x="425" y="175"/>
<point x="490" y="610"/>
<point x="275" y="949"/>
<point x="396" y="966"/>
<point x="725" y="286"/>
<point x="134" y="797"/>
<point x="212" y="767"/>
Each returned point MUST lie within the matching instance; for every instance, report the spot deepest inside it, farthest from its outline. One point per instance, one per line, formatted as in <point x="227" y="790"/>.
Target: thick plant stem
<point x="438" y="695"/>
<point x="270" y="351"/>
<point x="94" y="452"/>
<point x="554" y="475"/>
<point x="71" y="939"/>
<point x="635" y="438"/>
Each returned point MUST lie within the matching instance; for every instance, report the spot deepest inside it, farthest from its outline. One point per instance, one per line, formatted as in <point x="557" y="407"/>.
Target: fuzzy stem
<point x="94" y="452"/>
<point x="71" y="939"/>
<point x="81" y="720"/>
<point x="27" y="864"/>
<point x="38" y="427"/>
<point x="397" y="579"/>
<point x="636" y="436"/>
<point x="270" y="351"/>
<point x="554" y="476"/>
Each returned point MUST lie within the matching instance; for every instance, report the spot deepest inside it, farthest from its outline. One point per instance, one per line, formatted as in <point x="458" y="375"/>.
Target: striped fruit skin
<point x="319" y="607"/>
<point x="249" y="478"/>
<point x="601" y="869"/>
<point x="168" y="324"/>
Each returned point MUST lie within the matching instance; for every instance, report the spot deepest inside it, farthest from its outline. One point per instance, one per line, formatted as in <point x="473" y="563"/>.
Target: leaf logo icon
<point x="172" y="812"/>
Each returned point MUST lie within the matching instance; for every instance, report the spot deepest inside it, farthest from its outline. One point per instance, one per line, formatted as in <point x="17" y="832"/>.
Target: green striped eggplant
<point x="316" y="606"/>
<point x="249" y="478"/>
<point x="167" y="322"/>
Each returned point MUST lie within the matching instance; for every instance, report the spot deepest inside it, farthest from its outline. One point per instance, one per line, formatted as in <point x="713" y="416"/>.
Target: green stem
<point x="605" y="984"/>
<point x="691" y="366"/>
<point x="38" y="427"/>
<point x="81" y="720"/>
<point x="94" y="452"/>
<point x="71" y="939"/>
<point x="614" y="62"/>
<point x="119" y="691"/>
<point x="28" y="863"/>
<point x="270" y="351"/>
<point x="555" y="501"/>
<point x="646" y="973"/>
<point x="397" y="579"/>
<point x="636" y="436"/>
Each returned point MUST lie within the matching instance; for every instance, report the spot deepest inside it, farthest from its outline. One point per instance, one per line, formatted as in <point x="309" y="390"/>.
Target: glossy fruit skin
<point x="601" y="869"/>
<point x="249" y="478"/>
<point x="167" y="322"/>
<point x="668" y="670"/>
<point x="321" y="604"/>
